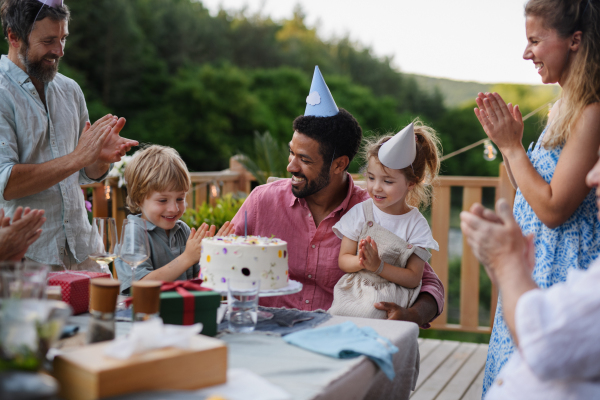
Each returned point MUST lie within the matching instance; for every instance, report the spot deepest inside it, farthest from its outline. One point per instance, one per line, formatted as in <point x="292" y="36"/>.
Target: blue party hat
<point x="319" y="102"/>
<point x="52" y="3"/>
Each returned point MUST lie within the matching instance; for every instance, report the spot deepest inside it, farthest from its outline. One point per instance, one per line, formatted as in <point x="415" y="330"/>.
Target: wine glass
<point x="134" y="248"/>
<point x="103" y="242"/>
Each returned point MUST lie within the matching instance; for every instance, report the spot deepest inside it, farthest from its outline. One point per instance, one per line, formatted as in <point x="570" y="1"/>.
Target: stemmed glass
<point x="134" y="248"/>
<point x="103" y="242"/>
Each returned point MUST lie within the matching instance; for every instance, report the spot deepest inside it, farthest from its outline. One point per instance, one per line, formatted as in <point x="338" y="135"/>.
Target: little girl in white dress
<point x="385" y="238"/>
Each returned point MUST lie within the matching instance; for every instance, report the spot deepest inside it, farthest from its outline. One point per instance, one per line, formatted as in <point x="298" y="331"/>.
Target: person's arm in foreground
<point x="16" y="237"/>
<point x="508" y="256"/>
<point x="556" y="329"/>
<point x="553" y="203"/>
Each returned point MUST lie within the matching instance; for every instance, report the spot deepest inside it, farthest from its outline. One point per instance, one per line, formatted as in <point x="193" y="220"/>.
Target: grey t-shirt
<point x="163" y="250"/>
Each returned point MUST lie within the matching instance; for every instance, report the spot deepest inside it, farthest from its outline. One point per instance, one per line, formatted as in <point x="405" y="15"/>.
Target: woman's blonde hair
<point x="154" y="169"/>
<point x="424" y="169"/>
<point x="582" y="86"/>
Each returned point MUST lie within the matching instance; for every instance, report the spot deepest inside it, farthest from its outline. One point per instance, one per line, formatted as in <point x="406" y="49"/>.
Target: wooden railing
<point x="469" y="276"/>
<point x="207" y="186"/>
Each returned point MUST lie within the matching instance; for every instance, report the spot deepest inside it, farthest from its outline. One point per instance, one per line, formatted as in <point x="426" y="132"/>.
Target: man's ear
<point x="575" y="41"/>
<point x="13" y="39"/>
<point x="340" y="164"/>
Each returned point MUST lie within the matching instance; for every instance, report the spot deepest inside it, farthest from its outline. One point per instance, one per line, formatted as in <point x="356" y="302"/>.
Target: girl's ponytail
<point x="425" y="168"/>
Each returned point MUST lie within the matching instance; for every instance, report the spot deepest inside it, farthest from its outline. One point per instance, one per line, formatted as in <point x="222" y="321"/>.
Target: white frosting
<point x="251" y="257"/>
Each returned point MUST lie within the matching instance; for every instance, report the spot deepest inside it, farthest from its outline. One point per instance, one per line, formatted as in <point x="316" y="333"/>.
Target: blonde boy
<point x="157" y="182"/>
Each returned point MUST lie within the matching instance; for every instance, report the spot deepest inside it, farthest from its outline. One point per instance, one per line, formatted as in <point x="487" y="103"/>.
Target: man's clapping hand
<point x="101" y="142"/>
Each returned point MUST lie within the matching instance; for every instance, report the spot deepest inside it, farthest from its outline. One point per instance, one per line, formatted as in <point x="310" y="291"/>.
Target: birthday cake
<point x="245" y="257"/>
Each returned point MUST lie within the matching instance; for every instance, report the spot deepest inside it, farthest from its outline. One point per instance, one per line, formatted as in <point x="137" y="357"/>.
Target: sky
<point x="467" y="40"/>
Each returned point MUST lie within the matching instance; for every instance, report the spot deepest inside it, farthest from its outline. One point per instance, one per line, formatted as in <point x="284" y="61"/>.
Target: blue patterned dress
<point x="572" y="245"/>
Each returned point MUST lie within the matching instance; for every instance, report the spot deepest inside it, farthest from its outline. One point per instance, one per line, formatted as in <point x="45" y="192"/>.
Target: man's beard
<point x="36" y="69"/>
<point x="312" y="187"/>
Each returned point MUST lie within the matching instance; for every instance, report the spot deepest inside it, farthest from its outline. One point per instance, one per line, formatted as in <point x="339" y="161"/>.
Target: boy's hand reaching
<point x="193" y="245"/>
<point x="227" y="229"/>
<point x="368" y="257"/>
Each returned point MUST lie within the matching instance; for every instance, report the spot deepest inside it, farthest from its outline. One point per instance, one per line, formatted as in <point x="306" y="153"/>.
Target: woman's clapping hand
<point x="501" y="122"/>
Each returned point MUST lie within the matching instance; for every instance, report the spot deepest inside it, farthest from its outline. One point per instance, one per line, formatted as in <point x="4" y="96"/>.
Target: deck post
<point x="440" y="225"/>
<point x="469" y="271"/>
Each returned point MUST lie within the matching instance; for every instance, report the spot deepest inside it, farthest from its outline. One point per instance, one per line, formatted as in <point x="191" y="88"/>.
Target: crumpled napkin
<point x="149" y="335"/>
<point x="346" y="340"/>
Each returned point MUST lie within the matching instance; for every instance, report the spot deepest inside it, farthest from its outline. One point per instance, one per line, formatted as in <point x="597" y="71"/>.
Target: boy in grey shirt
<point x="157" y="182"/>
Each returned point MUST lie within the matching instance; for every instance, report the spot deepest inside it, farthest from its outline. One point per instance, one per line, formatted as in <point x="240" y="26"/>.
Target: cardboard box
<point x="205" y="304"/>
<point x="86" y="374"/>
<point x="75" y="287"/>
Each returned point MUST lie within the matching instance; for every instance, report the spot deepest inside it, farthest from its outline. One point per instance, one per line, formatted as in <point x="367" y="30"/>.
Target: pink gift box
<point x="75" y="287"/>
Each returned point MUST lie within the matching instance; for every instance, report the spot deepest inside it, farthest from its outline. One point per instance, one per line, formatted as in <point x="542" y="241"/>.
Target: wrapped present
<point x="88" y="373"/>
<point x="75" y="287"/>
<point x="186" y="303"/>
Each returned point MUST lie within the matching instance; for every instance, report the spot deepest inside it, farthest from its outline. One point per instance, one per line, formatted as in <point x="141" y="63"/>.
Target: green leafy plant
<point x="270" y="158"/>
<point x="223" y="211"/>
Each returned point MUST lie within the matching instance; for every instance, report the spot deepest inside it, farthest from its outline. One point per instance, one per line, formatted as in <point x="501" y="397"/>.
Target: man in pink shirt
<point x="302" y="211"/>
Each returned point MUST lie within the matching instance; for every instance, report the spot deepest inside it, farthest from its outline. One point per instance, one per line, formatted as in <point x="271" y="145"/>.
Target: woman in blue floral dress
<point x="553" y="202"/>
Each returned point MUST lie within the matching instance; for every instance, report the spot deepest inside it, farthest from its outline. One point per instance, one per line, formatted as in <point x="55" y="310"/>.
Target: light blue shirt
<point x="30" y="134"/>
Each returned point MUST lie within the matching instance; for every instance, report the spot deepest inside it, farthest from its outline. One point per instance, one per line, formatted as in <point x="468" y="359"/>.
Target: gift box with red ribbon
<point x="75" y="287"/>
<point x="187" y="303"/>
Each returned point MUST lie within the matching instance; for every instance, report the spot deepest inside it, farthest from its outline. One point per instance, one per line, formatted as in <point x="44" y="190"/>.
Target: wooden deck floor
<point x="450" y="370"/>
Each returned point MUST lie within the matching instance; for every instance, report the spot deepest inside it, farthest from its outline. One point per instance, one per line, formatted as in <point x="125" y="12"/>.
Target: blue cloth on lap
<point x="347" y="340"/>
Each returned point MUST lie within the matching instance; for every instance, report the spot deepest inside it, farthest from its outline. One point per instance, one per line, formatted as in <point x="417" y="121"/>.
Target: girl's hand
<point x="193" y="244"/>
<point x="368" y="257"/>
<point x="227" y="229"/>
<point x="502" y="123"/>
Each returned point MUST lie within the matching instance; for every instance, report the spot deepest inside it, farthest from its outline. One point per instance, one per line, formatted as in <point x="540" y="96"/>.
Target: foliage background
<point x="203" y="84"/>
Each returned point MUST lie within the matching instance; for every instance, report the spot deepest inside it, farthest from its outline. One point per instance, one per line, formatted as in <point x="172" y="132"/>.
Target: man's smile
<point x="297" y="180"/>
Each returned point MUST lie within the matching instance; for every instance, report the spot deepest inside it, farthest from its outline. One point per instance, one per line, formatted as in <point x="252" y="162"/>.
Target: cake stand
<point x="291" y="288"/>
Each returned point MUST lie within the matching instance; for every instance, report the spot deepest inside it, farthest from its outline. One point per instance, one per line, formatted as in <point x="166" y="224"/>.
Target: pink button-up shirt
<point x="313" y="251"/>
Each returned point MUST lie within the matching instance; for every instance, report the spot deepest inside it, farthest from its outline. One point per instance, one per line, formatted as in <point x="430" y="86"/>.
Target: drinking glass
<point x="22" y="280"/>
<point x="242" y="304"/>
<point x="134" y="248"/>
<point x="103" y="242"/>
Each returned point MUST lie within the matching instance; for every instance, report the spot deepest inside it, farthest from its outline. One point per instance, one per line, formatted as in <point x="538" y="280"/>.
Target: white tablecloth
<point x="306" y="375"/>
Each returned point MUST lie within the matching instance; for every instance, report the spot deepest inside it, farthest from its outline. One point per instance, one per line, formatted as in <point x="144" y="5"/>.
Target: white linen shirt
<point x="411" y="227"/>
<point x="30" y="134"/>
<point x="559" y="350"/>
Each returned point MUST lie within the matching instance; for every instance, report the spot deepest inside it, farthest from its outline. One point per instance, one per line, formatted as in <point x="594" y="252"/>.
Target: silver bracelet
<point x="380" y="269"/>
